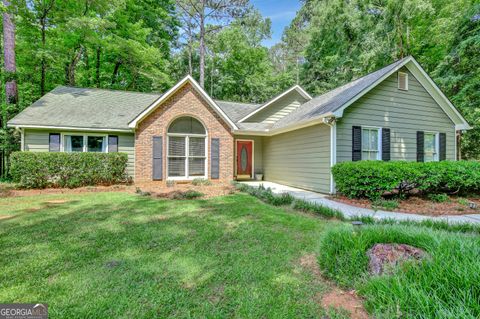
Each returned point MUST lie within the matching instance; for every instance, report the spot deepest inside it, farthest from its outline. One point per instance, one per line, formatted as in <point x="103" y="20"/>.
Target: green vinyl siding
<point x="257" y="151"/>
<point x="279" y="109"/>
<point x="404" y="112"/>
<point x="299" y="158"/>
<point x="37" y="141"/>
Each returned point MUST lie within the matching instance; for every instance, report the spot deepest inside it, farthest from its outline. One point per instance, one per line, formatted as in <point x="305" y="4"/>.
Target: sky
<point x="281" y="12"/>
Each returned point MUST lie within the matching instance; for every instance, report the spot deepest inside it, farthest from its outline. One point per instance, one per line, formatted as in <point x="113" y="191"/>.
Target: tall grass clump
<point x="446" y="284"/>
<point x="285" y="199"/>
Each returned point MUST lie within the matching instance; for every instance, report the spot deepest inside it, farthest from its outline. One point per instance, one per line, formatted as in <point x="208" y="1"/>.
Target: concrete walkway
<point x="352" y="211"/>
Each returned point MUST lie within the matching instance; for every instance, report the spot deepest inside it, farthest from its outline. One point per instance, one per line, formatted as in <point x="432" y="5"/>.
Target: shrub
<point x="201" y="181"/>
<point x="386" y="204"/>
<point x="372" y="179"/>
<point x="438" y="198"/>
<point x="452" y="266"/>
<point x="40" y="170"/>
<point x="189" y="194"/>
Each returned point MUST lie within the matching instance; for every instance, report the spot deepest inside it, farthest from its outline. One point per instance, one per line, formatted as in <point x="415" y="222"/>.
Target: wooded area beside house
<point x="145" y="45"/>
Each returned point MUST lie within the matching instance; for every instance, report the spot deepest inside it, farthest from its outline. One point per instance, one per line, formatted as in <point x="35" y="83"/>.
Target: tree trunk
<point x="72" y="66"/>
<point x="202" y="44"/>
<point x="97" y="68"/>
<point x="115" y="71"/>
<point x="190" y="67"/>
<point x="9" y="55"/>
<point x="43" y="63"/>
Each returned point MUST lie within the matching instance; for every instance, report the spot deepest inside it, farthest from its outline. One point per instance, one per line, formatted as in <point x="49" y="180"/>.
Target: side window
<point x="430" y="147"/>
<point x="370" y="144"/>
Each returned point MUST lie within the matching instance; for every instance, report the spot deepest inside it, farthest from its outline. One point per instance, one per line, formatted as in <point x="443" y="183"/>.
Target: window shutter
<point x="157" y="150"/>
<point x="112" y="143"/>
<point x="356" y="143"/>
<point x="420" y="146"/>
<point x="385" y="144"/>
<point x="54" y="142"/>
<point x="443" y="146"/>
<point x="215" y="158"/>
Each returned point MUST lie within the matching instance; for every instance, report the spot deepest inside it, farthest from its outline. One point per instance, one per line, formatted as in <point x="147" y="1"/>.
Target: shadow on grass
<point x="153" y="257"/>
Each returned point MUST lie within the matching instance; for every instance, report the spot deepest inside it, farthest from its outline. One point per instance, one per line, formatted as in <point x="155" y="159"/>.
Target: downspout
<point x="332" y="123"/>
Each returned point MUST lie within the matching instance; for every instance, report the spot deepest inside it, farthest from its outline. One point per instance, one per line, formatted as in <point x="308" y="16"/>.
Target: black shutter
<point x="443" y="146"/>
<point x="54" y="142"/>
<point x="157" y="151"/>
<point x="356" y="143"/>
<point x="385" y="144"/>
<point x="215" y="158"/>
<point x="112" y="143"/>
<point x="420" y="146"/>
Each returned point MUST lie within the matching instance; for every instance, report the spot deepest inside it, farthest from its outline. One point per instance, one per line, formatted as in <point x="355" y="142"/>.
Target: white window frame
<point x="436" y="155"/>
<point x="85" y="140"/>
<point x="406" y="81"/>
<point x="187" y="156"/>
<point x="379" y="141"/>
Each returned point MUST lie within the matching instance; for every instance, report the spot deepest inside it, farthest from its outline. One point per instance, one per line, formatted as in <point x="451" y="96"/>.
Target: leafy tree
<point x="459" y="76"/>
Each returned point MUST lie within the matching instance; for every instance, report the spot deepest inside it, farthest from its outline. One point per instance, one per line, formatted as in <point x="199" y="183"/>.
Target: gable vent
<point x="402" y="81"/>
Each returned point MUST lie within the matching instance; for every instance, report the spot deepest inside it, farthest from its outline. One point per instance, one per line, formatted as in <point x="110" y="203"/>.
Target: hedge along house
<point x="395" y="113"/>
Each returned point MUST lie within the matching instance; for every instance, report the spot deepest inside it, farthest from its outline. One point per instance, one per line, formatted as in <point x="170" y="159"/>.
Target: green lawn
<point x="120" y="255"/>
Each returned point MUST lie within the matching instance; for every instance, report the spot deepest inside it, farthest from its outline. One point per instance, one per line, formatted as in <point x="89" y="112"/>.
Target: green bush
<point x="201" y="181"/>
<point x="43" y="169"/>
<point x="390" y="204"/>
<point x="189" y="194"/>
<point x="372" y="179"/>
<point x="438" y="198"/>
<point x="444" y="285"/>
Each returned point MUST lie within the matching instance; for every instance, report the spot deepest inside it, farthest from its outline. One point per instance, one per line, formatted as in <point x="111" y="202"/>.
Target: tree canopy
<point x="147" y="45"/>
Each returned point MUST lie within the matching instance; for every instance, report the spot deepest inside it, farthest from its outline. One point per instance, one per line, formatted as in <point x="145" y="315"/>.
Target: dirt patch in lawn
<point x="5" y="216"/>
<point x="347" y="300"/>
<point x="422" y="206"/>
<point x="336" y="298"/>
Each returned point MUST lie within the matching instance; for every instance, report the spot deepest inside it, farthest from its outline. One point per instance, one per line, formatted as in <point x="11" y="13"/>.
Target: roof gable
<point x="333" y="103"/>
<point x="267" y="104"/>
<point x="171" y="92"/>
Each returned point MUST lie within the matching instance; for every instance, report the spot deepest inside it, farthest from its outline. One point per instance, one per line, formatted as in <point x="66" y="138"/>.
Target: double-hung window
<point x="187" y="149"/>
<point x="84" y="143"/>
<point x="430" y="147"/>
<point x="371" y="144"/>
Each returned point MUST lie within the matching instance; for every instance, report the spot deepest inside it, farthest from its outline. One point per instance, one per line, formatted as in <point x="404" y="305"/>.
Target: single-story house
<point x="395" y="113"/>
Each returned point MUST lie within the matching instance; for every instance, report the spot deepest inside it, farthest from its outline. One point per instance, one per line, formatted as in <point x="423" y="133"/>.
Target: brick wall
<point x="185" y="102"/>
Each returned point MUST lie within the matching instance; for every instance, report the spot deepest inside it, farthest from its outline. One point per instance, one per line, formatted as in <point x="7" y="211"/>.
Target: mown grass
<point x="444" y="285"/>
<point x="115" y="255"/>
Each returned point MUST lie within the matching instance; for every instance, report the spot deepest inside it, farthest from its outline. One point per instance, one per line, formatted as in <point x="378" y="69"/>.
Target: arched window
<point x="187" y="149"/>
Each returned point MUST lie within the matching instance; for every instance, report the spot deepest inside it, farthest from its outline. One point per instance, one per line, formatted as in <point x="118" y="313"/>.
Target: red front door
<point x="244" y="159"/>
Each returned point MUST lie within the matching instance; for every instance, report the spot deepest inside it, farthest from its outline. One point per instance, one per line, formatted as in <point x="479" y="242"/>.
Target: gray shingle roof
<point x="335" y="99"/>
<point x="109" y="109"/>
<point x="235" y="110"/>
<point x="85" y="108"/>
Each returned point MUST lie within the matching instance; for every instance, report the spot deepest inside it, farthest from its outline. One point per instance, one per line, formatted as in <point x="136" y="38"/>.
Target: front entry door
<point x="244" y="159"/>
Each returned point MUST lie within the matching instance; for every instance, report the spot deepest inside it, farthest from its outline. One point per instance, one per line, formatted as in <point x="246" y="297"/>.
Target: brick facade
<point x="185" y="102"/>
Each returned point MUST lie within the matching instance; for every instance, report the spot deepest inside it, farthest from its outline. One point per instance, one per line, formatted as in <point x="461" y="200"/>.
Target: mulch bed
<point x="53" y="191"/>
<point x="163" y="191"/>
<point x="208" y="191"/>
<point x="420" y="205"/>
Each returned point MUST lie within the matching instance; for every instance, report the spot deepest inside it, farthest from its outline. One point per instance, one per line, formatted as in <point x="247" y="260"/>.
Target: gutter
<point x="69" y="128"/>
